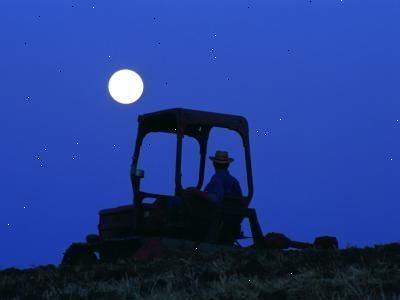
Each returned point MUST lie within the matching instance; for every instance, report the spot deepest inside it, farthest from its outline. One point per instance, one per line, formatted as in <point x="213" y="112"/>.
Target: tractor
<point x="149" y="227"/>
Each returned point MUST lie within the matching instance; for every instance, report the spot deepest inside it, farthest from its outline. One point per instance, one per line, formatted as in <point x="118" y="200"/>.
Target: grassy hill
<point x="352" y="273"/>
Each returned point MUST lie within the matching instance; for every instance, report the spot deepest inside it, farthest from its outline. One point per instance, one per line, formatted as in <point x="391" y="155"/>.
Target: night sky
<point x="318" y="81"/>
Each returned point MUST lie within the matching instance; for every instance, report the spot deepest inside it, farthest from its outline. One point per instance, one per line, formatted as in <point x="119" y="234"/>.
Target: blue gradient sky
<point x="319" y="81"/>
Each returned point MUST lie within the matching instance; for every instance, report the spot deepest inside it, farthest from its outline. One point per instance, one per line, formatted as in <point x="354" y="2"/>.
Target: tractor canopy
<point x="196" y="124"/>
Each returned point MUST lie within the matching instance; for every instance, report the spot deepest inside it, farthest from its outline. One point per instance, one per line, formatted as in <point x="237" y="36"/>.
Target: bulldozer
<point x="149" y="227"/>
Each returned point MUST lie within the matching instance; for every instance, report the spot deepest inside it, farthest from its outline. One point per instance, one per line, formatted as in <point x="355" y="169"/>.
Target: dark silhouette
<point x="206" y="220"/>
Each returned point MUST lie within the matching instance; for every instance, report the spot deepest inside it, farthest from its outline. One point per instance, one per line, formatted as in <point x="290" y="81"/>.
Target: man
<point x="221" y="184"/>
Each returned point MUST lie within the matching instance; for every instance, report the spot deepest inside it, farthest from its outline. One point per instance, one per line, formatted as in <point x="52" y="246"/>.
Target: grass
<point x="352" y="273"/>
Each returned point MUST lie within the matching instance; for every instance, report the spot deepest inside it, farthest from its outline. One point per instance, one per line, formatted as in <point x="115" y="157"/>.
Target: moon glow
<point x="125" y="86"/>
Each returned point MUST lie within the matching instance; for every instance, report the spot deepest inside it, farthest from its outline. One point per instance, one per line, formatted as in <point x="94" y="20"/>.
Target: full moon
<point x="125" y="86"/>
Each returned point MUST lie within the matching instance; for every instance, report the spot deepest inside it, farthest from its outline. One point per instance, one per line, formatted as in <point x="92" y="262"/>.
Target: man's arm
<point x="215" y="190"/>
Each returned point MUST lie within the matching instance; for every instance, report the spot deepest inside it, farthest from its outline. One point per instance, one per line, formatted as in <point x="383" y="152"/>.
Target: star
<point x="73" y="158"/>
<point x="77" y="143"/>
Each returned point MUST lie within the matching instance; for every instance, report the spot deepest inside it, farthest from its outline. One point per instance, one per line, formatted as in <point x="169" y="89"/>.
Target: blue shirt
<point x="223" y="184"/>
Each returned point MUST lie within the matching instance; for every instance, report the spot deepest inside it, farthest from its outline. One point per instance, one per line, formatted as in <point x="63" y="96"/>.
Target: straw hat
<point x="221" y="157"/>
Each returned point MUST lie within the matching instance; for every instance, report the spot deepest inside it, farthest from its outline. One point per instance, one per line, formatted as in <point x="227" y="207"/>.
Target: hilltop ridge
<point x="352" y="273"/>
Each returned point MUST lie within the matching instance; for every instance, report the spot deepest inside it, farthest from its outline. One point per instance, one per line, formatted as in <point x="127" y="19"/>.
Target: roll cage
<point x="193" y="123"/>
